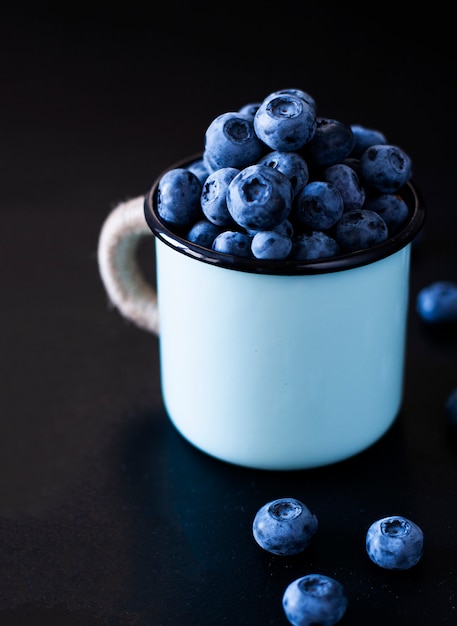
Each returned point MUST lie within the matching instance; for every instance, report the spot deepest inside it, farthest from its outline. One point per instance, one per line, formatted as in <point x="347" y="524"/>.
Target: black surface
<point x="108" y="517"/>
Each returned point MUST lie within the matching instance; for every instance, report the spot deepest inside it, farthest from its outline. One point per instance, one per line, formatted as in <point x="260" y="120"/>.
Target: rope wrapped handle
<point x="127" y="289"/>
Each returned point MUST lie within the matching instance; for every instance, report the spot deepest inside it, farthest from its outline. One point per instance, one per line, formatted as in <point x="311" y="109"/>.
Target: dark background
<point x="108" y="517"/>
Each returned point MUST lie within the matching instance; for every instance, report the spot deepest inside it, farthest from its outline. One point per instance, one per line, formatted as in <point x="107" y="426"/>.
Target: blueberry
<point x="260" y="197"/>
<point x="391" y="207"/>
<point x="285" y="122"/>
<point x="285" y="228"/>
<point x="437" y="302"/>
<point x="360" y="229"/>
<point x="214" y="196"/>
<point x="332" y="142"/>
<point x="284" y="527"/>
<point x="203" y="233"/>
<point x="271" y="244"/>
<point x="314" y="245"/>
<point x="395" y="543"/>
<point x="291" y="164"/>
<point x="231" y="141"/>
<point x="200" y="170"/>
<point x="385" y="168"/>
<point x="364" y="138"/>
<point x="346" y="180"/>
<point x="178" y="197"/>
<point x="233" y="242"/>
<point x="318" y="206"/>
<point x="304" y="95"/>
<point x="314" y="600"/>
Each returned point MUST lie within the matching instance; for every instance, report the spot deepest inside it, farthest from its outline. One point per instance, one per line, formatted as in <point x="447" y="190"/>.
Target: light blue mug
<point x="276" y="365"/>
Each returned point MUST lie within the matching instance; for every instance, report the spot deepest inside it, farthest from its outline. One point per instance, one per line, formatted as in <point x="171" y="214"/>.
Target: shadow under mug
<point x="277" y="365"/>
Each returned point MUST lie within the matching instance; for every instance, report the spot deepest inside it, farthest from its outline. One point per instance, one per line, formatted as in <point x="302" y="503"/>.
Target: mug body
<point x="281" y="372"/>
<point x="282" y="367"/>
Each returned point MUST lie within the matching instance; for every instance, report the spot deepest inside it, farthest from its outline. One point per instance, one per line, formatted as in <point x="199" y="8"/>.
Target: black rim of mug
<point x="410" y="193"/>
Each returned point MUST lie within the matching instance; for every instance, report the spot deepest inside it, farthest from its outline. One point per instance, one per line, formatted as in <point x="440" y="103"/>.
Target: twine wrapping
<point x="124" y="282"/>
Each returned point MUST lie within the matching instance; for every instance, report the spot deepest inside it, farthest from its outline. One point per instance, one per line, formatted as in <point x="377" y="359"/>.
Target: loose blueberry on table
<point x="395" y="543"/>
<point x="437" y="303"/>
<point x="284" y="526"/>
<point x="314" y="600"/>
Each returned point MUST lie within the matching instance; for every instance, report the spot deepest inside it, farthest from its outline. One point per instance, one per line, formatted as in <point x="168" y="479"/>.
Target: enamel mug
<point x="276" y="365"/>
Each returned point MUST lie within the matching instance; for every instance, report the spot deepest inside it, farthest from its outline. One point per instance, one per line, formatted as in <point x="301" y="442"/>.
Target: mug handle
<point x="125" y="284"/>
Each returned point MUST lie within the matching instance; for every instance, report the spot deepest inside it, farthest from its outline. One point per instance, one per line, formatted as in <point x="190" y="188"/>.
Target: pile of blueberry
<point x="276" y="181"/>
<point x="286" y="526"/>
